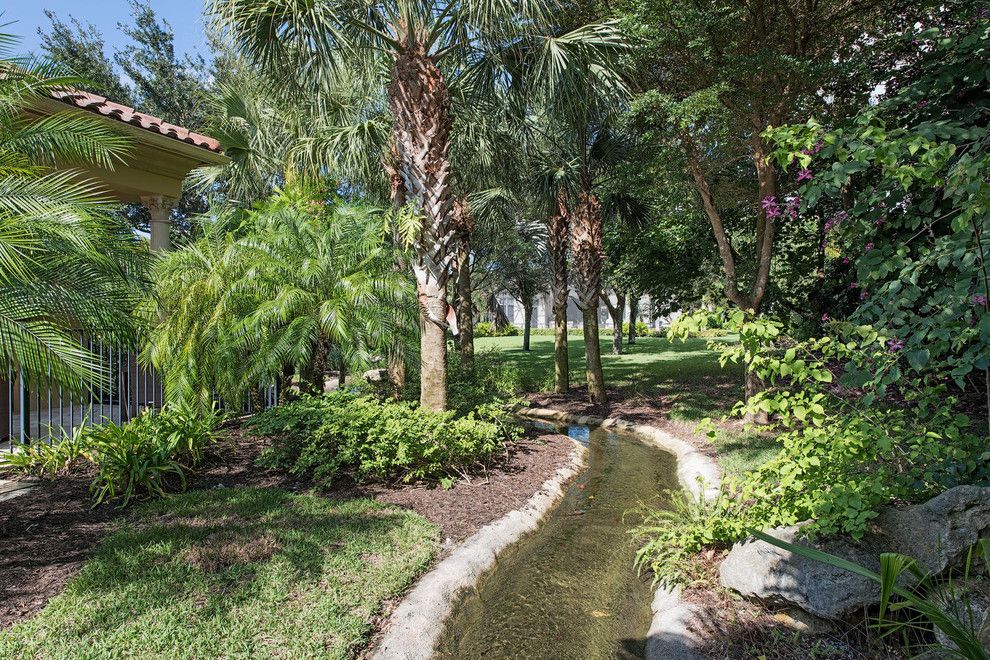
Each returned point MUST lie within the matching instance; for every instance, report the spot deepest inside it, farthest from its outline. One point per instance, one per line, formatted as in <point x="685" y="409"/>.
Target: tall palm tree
<point x="67" y="263"/>
<point x="426" y="48"/>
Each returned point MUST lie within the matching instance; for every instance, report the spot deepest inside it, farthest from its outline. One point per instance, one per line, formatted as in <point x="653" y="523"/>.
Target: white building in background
<point x="543" y="312"/>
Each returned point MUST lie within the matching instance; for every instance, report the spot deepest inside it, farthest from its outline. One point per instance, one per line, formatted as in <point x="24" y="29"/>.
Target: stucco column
<point x="160" y="209"/>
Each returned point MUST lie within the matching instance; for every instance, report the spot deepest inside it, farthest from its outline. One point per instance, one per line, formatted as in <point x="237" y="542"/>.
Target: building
<point x="543" y="312"/>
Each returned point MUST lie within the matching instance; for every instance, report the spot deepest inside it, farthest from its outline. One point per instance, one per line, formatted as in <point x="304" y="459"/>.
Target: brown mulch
<point x="47" y="534"/>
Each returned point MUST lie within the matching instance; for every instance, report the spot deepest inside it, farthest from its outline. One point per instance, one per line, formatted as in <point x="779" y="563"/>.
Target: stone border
<point x="414" y="628"/>
<point x="677" y="629"/>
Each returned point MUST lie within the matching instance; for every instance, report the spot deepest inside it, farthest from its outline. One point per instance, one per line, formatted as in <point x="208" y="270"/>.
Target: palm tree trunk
<point x="593" y="355"/>
<point x="633" y="313"/>
<point x="620" y="310"/>
<point x="420" y="104"/>
<point x="465" y="304"/>
<point x="558" y="233"/>
<point x="588" y="255"/>
<point x="527" y="304"/>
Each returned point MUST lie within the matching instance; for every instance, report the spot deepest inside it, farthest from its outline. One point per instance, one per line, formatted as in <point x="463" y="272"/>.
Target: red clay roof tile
<point x="100" y="105"/>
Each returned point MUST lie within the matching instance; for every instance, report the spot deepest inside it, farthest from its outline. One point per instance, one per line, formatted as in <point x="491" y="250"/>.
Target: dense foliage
<point x="147" y="456"/>
<point x="345" y="436"/>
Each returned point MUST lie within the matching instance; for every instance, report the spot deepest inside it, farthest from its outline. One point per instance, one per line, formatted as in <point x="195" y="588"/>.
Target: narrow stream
<point x="569" y="589"/>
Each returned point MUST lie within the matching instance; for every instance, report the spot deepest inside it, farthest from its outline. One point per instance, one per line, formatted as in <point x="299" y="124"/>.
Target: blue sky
<point x="185" y="16"/>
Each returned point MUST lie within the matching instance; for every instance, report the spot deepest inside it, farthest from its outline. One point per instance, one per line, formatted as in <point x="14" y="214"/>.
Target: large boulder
<point x="937" y="533"/>
<point x="781" y="578"/>
<point x="942" y="530"/>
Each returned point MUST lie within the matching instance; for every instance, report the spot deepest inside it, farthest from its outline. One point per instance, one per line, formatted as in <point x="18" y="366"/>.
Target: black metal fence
<point x="33" y="411"/>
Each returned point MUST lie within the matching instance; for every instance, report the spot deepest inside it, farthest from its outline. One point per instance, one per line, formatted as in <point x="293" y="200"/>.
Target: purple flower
<point x="792" y="206"/>
<point x="978" y="300"/>
<point x="826" y="318"/>
<point x="881" y="221"/>
<point x="863" y="295"/>
<point x="854" y="285"/>
<point x="769" y="205"/>
<point x="894" y="345"/>
<point x="868" y="246"/>
<point x="804" y="174"/>
<point x="846" y="260"/>
<point x="835" y="220"/>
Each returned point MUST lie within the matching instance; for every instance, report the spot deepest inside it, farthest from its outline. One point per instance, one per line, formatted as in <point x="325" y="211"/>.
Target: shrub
<point x="141" y="457"/>
<point x="861" y="425"/>
<point x="642" y="330"/>
<point x="486" y="329"/>
<point x="491" y="381"/>
<point x="360" y="438"/>
<point x="48" y="459"/>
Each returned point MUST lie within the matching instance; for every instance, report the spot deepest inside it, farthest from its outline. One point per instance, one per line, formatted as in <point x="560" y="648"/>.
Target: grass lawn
<point x="239" y="572"/>
<point x="683" y="377"/>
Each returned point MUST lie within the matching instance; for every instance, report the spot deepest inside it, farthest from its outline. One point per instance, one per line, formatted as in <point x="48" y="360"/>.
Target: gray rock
<point x="375" y="375"/>
<point x="937" y="533"/>
<point x="968" y="601"/>
<point x="781" y="578"/>
<point x="941" y="531"/>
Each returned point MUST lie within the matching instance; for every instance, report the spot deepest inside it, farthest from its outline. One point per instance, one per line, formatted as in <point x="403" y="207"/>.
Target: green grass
<point x="685" y="377"/>
<point x="233" y="573"/>
<point x="682" y="378"/>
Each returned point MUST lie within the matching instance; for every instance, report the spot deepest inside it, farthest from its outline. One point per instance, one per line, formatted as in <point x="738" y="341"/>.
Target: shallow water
<point x="569" y="589"/>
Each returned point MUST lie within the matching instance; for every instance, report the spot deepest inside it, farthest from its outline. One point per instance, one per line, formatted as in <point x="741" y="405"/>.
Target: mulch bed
<point x="47" y="534"/>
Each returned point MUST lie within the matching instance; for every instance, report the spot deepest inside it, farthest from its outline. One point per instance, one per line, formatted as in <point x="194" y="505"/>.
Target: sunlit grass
<point x="233" y="573"/>
<point x="683" y="378"/>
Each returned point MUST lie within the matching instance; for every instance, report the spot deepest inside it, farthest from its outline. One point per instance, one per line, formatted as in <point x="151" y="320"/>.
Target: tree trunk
<point x="558" y="233"/>
<point x="633" y="314"/>
<point x="593" y="354"/>
<point x="421" y="109"/>
<point x="465" y="303"/>
<point x="397" y="370"/>
<point x="586" y="247"/>
<point x="617" y="313"/>
<point x="527" y="304"/>
<point x="341" y="375"/>
<point x="433" y="348"/>
<point x="314" y="375"/>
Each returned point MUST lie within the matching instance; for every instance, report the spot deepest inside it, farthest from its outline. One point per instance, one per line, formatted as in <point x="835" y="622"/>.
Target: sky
<point x="26" y="16"/>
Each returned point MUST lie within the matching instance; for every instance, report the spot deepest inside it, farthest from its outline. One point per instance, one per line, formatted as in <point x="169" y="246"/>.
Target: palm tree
<point x="426" y="49"/>
<point x="67" y="263"/>
<point x="302" y="284"/>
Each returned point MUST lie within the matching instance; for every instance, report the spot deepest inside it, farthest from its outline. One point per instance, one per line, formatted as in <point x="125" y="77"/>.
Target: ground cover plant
<point x="343" y="435"/>
<point x="236" y="572"/>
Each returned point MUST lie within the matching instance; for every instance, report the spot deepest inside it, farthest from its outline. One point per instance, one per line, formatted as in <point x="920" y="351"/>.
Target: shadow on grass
<point x="684" y="379"/>
<point x="241" y="571"/>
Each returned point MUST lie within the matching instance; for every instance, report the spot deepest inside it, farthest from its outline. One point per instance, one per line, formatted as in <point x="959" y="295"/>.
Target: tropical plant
<point x="342" y="435"/>
<point x="303" y="283"/>
<point x="67" y="264"/>
<point x="958" y="625"/>
<point x="424" y="56"/>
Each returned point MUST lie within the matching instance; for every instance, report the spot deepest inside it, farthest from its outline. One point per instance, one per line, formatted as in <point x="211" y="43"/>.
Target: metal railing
<point x="34" y="411"/>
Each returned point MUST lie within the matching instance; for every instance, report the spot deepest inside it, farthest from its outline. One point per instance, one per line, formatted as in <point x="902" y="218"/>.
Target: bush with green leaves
<point x="359" y="438"/>
<point x="146" y="456"/>
<point x="486" y="329"/>
<point x="642" y="329"/>
<point x="861" y="424"/>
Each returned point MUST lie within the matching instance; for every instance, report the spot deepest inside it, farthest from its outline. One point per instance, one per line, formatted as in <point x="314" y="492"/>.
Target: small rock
<point x="375" y="375"/>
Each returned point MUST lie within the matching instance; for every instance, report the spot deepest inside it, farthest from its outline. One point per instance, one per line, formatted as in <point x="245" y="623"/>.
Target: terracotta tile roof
<point x="100" y="105"/>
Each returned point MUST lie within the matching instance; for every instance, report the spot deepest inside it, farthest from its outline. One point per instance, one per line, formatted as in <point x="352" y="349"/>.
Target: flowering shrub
<point x="486" y="329"/>
<point x="861" y="424"/>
